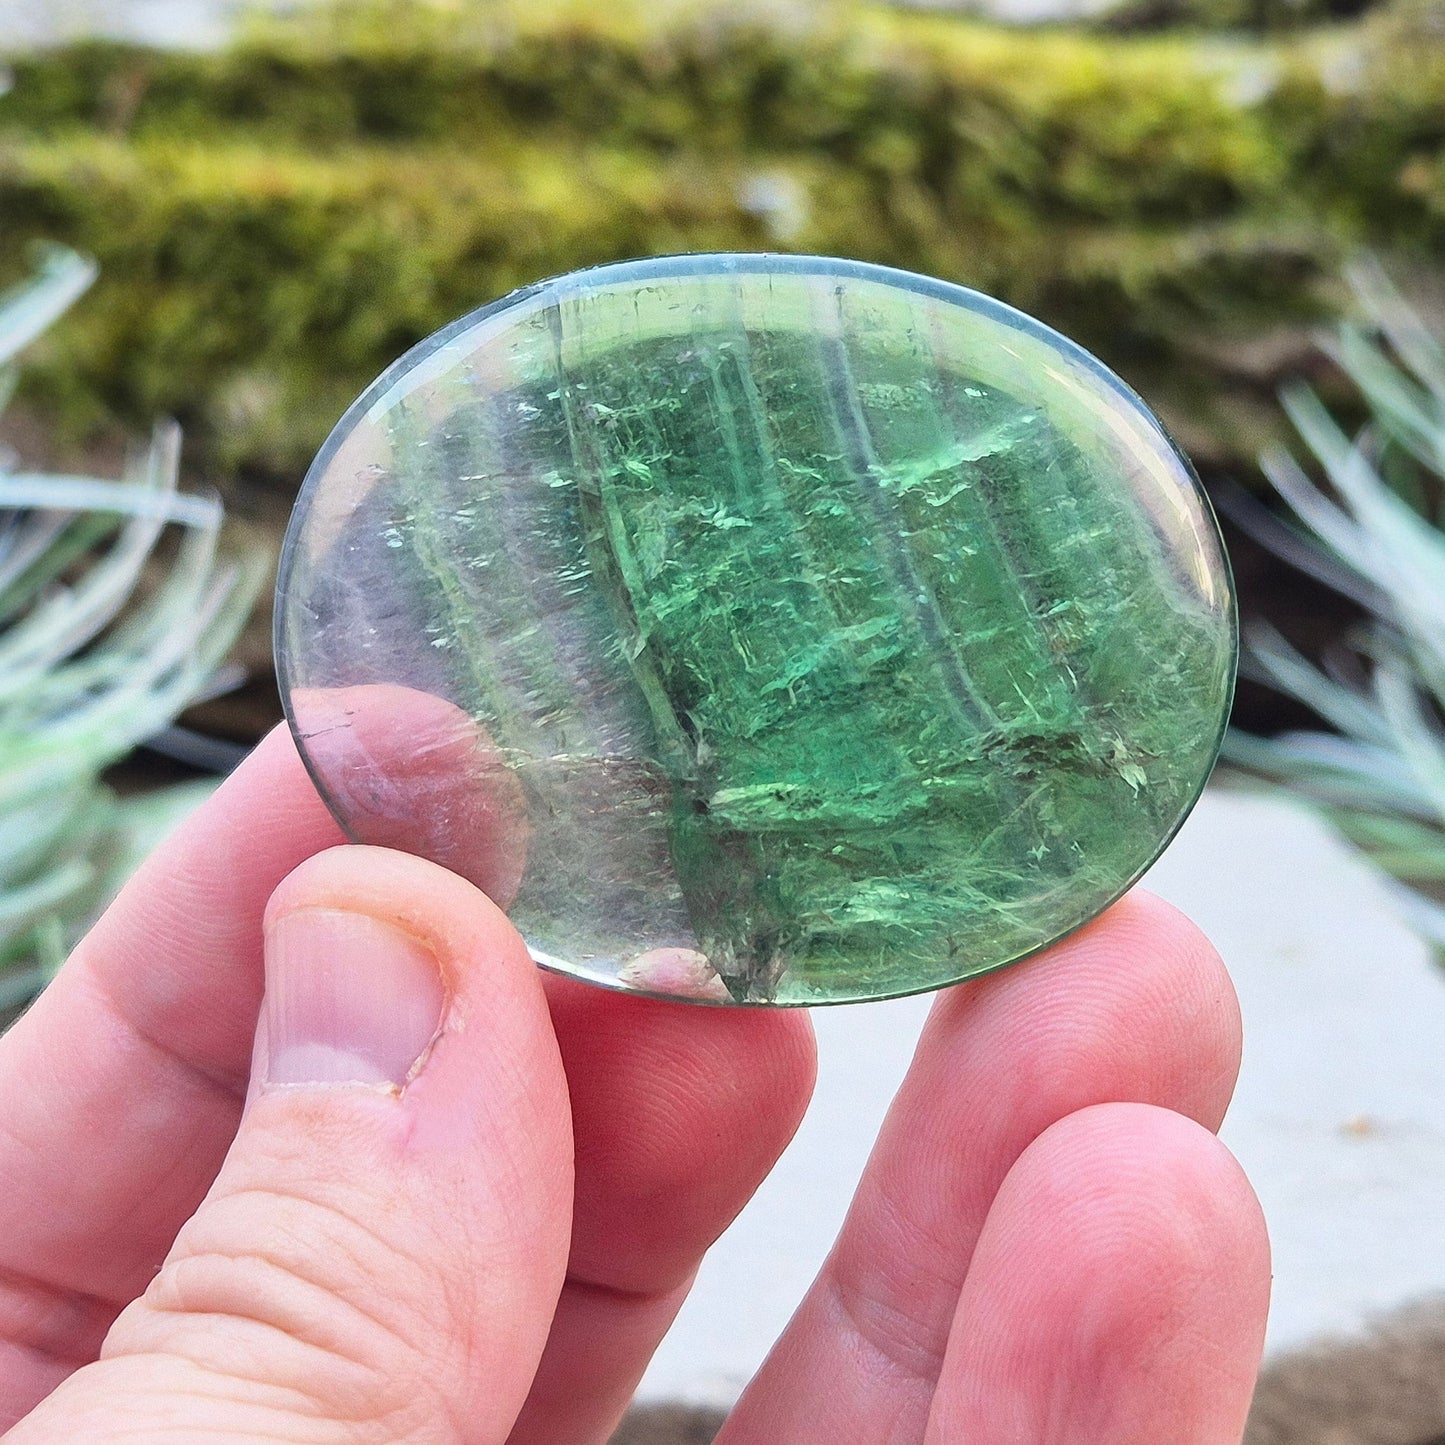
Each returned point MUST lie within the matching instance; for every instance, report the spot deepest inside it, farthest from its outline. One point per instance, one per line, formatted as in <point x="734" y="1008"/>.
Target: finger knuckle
<point x="297" y="1307"/>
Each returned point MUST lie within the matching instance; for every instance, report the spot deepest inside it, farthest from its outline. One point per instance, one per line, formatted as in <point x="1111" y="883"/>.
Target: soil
<point x="669" y="1425"/>
<point x="1387" y="1388"/>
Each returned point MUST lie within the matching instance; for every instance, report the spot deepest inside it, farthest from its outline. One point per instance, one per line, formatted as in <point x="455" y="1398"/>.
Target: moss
<point x="1097" y="123"/>
<point x="350" y="182"/>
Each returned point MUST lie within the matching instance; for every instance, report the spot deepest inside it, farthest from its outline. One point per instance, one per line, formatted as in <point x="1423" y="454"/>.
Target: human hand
<point x="465" y="1199"/>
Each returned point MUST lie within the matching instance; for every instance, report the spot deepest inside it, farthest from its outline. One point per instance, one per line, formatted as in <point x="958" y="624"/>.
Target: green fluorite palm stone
<point x="760" y="629"/>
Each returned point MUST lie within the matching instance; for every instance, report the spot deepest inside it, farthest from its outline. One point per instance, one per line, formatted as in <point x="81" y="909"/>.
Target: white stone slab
<point x="1339" y="1118"/>
<point x="172" y="24"/>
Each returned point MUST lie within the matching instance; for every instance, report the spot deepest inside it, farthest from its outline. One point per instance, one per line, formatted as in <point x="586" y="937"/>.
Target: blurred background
<point x="281" y="201"/>
<point x="220" y="220"/>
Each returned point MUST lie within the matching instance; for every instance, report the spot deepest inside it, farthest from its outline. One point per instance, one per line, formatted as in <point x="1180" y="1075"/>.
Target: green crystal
<point x="760" y="629"/>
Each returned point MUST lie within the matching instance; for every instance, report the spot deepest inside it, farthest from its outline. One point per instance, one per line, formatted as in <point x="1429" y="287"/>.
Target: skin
<point x="1049" y="1244"/>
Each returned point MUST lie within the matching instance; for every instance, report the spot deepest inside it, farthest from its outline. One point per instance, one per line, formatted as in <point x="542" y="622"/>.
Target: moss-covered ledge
<point x="275" y="222"/>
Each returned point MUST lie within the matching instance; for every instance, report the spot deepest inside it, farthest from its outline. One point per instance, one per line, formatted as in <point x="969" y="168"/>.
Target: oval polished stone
<point x="760" y="629"/>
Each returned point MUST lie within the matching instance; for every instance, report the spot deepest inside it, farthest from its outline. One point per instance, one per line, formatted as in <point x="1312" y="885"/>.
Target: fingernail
<point x="349" y="999"/>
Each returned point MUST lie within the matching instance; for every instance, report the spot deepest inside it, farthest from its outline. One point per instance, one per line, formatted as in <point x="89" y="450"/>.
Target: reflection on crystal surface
<point x="760" y="629"/>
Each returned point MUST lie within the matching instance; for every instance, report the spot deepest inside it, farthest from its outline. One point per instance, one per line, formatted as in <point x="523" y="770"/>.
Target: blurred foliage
<point x="104" y="637"/>
<point x="1253" y="17"/>
<point x="275" y="223"/>
<point x="1378" y="536"/>
<point x="1258" y="17"/>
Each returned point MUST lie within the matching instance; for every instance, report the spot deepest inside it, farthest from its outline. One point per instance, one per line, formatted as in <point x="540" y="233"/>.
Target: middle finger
<point x="678" y="1112"/>
<point x="1135" y="1008"/>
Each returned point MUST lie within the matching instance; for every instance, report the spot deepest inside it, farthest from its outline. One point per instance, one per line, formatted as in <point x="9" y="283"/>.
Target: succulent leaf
<point x="102" y="643"/>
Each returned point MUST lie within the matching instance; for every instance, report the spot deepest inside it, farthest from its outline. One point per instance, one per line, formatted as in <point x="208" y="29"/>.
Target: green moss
<point x="348" y="183"/>
<point x="1065" y="115"/>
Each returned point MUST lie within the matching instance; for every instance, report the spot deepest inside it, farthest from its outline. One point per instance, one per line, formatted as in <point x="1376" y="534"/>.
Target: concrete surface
<point x="1339" y="1118"/>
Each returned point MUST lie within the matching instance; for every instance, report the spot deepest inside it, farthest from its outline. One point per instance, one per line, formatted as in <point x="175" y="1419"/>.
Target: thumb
<point x="381" y="1253"/>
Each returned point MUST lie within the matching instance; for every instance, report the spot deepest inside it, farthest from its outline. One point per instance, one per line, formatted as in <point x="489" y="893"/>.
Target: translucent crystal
<point x="760" y="629"/>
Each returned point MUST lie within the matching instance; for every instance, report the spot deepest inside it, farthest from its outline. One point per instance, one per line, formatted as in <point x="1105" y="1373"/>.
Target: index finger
<point x="123" y="1084"/>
